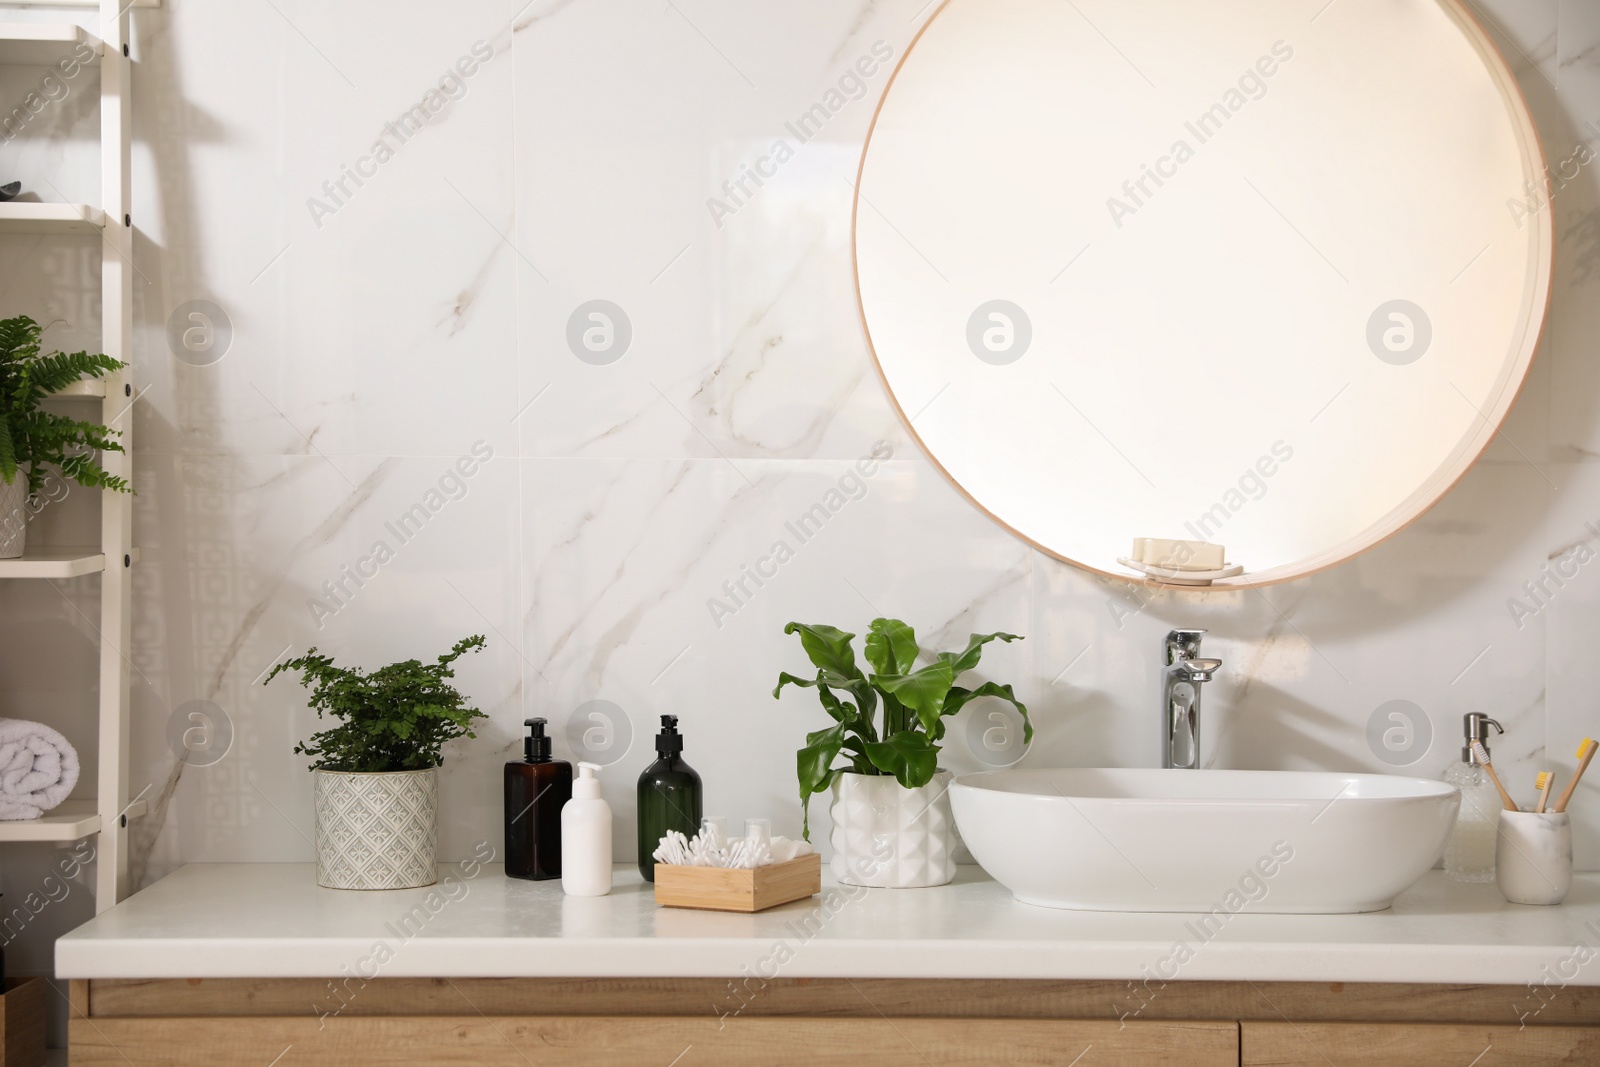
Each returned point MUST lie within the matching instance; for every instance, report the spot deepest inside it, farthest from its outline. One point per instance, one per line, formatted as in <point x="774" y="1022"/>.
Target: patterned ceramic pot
<point x="887" y="835"/>
<point x="377" y="831"/>
<point x="14" y="516"/>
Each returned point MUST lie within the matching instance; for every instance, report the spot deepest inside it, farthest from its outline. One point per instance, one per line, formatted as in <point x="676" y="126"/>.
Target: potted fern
<point x="377" y="772"/>
<point x="892" y="823"/>
<point x="32" y="439"/>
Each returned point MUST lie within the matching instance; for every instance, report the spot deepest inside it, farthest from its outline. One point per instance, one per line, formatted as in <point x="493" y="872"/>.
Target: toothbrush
<point x="1542" y="784"/>
<point x="1585" y="754"/>
<point x="1488" y="768"/>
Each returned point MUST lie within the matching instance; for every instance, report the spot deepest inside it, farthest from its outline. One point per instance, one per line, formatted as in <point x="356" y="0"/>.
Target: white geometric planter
<point x="888" y="836"/>
<point x="377" y="831"/>
<point x="14" y="516"/>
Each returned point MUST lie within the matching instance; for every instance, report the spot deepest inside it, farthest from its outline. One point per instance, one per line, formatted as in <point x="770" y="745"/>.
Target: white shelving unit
<point x="43" y="44"/>
<point x="73" y="820"/>
<point x="54" y="562"/>
<point x="83" y="388"/>
<point x="51" y="218"/>
<point x="38" y="44"/>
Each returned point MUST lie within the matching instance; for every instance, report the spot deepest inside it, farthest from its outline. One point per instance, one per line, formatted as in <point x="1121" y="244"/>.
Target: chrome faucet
<point x="1180" y="697"/>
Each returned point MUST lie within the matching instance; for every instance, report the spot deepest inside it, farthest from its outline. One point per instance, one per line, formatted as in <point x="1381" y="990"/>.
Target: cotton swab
<point x="1542" y="784"/>
<point x="1488" y="768"/>
<point x="1585" y="754"/>
<point x="703" y="850"/>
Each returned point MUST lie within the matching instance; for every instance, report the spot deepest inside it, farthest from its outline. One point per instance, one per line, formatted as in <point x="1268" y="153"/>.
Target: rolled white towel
<point x="38" y="769"/>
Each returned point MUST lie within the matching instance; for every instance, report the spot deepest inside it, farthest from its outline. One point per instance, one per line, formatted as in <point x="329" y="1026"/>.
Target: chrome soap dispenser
<point x="1469" y="854"/>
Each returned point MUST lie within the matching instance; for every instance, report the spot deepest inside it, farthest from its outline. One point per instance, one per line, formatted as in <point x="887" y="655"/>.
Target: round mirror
<point x="1262" y="274"/>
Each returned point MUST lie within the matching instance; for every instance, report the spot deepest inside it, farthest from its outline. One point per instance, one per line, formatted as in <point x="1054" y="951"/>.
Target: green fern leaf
<point x="52" y="373"/>
<point x="39" y="439"/>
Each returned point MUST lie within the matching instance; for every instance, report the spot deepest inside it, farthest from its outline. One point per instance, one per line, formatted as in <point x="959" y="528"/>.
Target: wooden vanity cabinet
<point x="596" y="1022"/>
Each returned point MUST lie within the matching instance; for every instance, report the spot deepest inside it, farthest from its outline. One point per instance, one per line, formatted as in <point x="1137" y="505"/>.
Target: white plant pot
<point x="14" y="516"/>
<point x="377" y="831"/>
<point x="888" y="836"/>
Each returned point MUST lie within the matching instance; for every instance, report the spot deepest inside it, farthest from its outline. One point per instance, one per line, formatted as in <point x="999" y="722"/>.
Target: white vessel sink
<point x="1204" y="841"/>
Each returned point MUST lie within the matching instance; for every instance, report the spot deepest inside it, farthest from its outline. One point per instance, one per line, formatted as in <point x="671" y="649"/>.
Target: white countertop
<point x="248" y="920"/>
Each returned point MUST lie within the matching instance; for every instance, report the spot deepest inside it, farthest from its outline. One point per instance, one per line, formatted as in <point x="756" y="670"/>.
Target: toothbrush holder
<point x="1533" y="856"/>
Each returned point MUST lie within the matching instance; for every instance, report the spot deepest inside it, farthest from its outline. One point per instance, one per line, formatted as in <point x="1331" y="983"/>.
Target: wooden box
<point x="22" y="1012"/>
<point x="722" y="889"/>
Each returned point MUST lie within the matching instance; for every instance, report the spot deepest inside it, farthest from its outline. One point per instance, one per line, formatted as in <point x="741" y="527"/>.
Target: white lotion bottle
<point x="586" y="837"/>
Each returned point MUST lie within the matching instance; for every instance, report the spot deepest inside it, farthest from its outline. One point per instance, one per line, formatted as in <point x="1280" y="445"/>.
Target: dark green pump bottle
<point x="669" y="796"/>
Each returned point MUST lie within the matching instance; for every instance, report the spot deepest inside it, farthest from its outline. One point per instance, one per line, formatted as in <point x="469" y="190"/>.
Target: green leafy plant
<point x="395" y="719"/>
<point x="914" y="700"/>
<point x="30" y="436"/>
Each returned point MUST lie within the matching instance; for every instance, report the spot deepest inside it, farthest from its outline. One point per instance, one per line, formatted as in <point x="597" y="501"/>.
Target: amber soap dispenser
<point x="538" y="786"/>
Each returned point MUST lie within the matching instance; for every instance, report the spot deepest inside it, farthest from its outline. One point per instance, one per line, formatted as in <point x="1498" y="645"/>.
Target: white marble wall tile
<point x="237" y="573"/>
<point x="343" y="302"/>
<point x="746" y="340"/>
<point x="1566" y="595"/>
<point x="1574" y="321"/>
<point x="1307" y="663"/>
<point x="628" y="602"/>
<point x="1578" y="56"/>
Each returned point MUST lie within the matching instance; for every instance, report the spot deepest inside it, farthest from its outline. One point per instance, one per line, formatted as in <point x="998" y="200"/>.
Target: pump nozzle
<point x="669" y="742"/>
<point x="587" y="785"/>
<point x="536" y="746"/>
<point x="1476" y="724"/>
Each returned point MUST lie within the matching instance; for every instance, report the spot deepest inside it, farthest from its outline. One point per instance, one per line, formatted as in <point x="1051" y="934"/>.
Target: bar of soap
<point x="1178" y="555"/>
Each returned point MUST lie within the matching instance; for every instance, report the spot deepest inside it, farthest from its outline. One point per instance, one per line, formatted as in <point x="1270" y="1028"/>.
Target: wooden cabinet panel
<point x="592" y="1041"/>
<point x="865" y="998"/>
<point x="1306" y="1044"/>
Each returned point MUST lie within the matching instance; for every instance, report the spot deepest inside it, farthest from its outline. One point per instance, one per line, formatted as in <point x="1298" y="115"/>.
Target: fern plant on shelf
<point x="376" y="777"/>
<point x="33" y="440"/>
